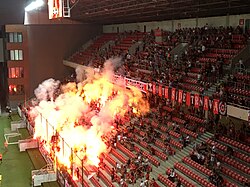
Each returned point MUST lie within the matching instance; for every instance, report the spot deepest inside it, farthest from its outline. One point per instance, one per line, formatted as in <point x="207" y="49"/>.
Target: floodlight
<point x="34" y="5"/>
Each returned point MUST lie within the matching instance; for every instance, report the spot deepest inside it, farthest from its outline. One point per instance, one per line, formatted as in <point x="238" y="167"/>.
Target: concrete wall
<point x="50" y="44"/>
<point x="171" y="25"/>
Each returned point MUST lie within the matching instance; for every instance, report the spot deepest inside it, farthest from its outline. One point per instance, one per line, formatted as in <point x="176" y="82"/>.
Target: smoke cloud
<point x="83" y="112"/>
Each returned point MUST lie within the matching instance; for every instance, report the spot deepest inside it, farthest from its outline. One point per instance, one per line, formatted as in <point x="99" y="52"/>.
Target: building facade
<point x="17" y="57"/>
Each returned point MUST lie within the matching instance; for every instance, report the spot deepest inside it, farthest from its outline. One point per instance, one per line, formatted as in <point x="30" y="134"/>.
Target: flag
<point x="173" y="94"/>
<point x="154" y="88"/>
<point x="188" y="99"/>
<point x="166" y="92"/>
<point x="55" y="9"/>
<point x="160" y="90"/>
<point x="205" y="103"/>
<point x="180" y="96"/>
<point x="216" y="106"/>
<point x="196" y="100"/>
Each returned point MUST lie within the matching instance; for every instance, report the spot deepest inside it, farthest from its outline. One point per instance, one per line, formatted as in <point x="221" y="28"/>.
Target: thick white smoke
<point x="46" y="90"/>
<point x="85" y="111"/>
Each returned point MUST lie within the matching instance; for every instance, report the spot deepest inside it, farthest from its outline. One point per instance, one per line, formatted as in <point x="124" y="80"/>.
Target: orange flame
<point x="73" y="125"/>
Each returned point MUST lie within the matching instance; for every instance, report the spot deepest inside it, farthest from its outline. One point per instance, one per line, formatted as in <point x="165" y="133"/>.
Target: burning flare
<point x="74" y="121"/>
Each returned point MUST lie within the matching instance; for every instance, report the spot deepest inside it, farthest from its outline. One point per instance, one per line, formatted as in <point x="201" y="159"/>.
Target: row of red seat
<point x="204" y="170"/>
<point x="242" y="77"/>
<point x="197" y="166"/>
<point x="192" y="75"/>
<point x="224" y="51"/>
<point x="160" y="144"/>
<point x="172" y="142"/>
<point x="184" y="181"/>
<point x="93" y="180"/>
<point x="105" y="179"/>
<point x="174" y="134"/>
<point x="235" y="144"/>
<point x="158" y="153"/>
<point x="152" y="159"/>
<point x="193" y="175"/>
<point x="179" y="120"/>
<point x="241" y="156"/>
<point x="125" y="150"/>
<point x="234" y="163"/>
<point x="176" y="144"/>
<point x="167" y="108"/>
<point x="110" y="160"/>
<point x="154" y="124"/>
<point x="217" y="145"/>
<point x="239" y="91"/>
<point x="119" y="156"/>
<point x="196" y="119"/>
<point x="223" y="148"/>
<point x="195" y="70"/>
<point x="191" y="87"/>
<point x="216" y="55"/>
<point x="166" y="181"/>
<point x="188" y="132"/>
<point x="234" y="174"/>
<point x="238" y="37"/>
<point x="207" y="59"/>
<point x="117" y="176"/>
<point x="191" y="81"/>
<point x="163" y="128"/>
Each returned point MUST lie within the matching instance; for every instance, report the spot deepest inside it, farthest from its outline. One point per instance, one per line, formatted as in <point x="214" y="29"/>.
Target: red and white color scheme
<point x="55" y="9"/>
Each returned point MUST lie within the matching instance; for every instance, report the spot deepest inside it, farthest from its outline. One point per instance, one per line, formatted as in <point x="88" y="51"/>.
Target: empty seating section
<point x="193" y="175"/>
<point x="236" y="144"/>
<point x="181" y="178"/>
<point x="118" y="155"/>
<point x="188" y="132"/>
<point x="217" y="145"/>
<point x="125" y="151"/>
<point x="197" y="166"/>
<point x="128" y="41"/>
<point x="105" y="179"/>
<point x="236" y="176"/>
<point x="234" y="163"/>
<point x="153" y="160"/>
<point x="196" y="119"/>
<point x="239" y="91"/>
<point x="178" y="120"/>
<point x="165" y="181"/>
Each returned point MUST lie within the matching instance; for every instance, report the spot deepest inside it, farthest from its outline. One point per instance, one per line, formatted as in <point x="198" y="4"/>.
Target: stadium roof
<point x="127" y="11"/>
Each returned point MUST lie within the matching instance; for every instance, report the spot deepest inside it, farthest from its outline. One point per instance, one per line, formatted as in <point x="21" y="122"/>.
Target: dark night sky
<point x="12" y="11"/>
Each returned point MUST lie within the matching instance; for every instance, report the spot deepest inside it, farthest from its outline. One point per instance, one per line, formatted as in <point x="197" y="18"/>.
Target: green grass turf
<point x="17" y="166"/>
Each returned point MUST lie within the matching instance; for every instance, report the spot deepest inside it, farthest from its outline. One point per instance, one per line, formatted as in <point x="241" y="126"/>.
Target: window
<point x="16" y="89"/>
<point x="15" y="37"/>
<point x="16" y="72"/>
<point x="16" y="54"/>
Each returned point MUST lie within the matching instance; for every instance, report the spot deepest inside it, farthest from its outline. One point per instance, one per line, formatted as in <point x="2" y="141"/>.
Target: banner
<point x="173" y="94"/>
<point x="188" y="99"/>
<point x="196" y="100"/>
<point x="166" y="92"/>
<point x="222" y="108"/>
<point x="154" y="88"/>
<point x="55" y="9"/>
<point x="215" y="106"/>
<point x="205" y="106"/>
<point x="160" y="90"/>
<point x="180" y="96"/>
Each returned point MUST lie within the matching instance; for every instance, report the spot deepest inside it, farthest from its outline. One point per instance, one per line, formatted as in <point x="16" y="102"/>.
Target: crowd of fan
<point x="153" y="62"/>
<point x="140" y="167"/>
